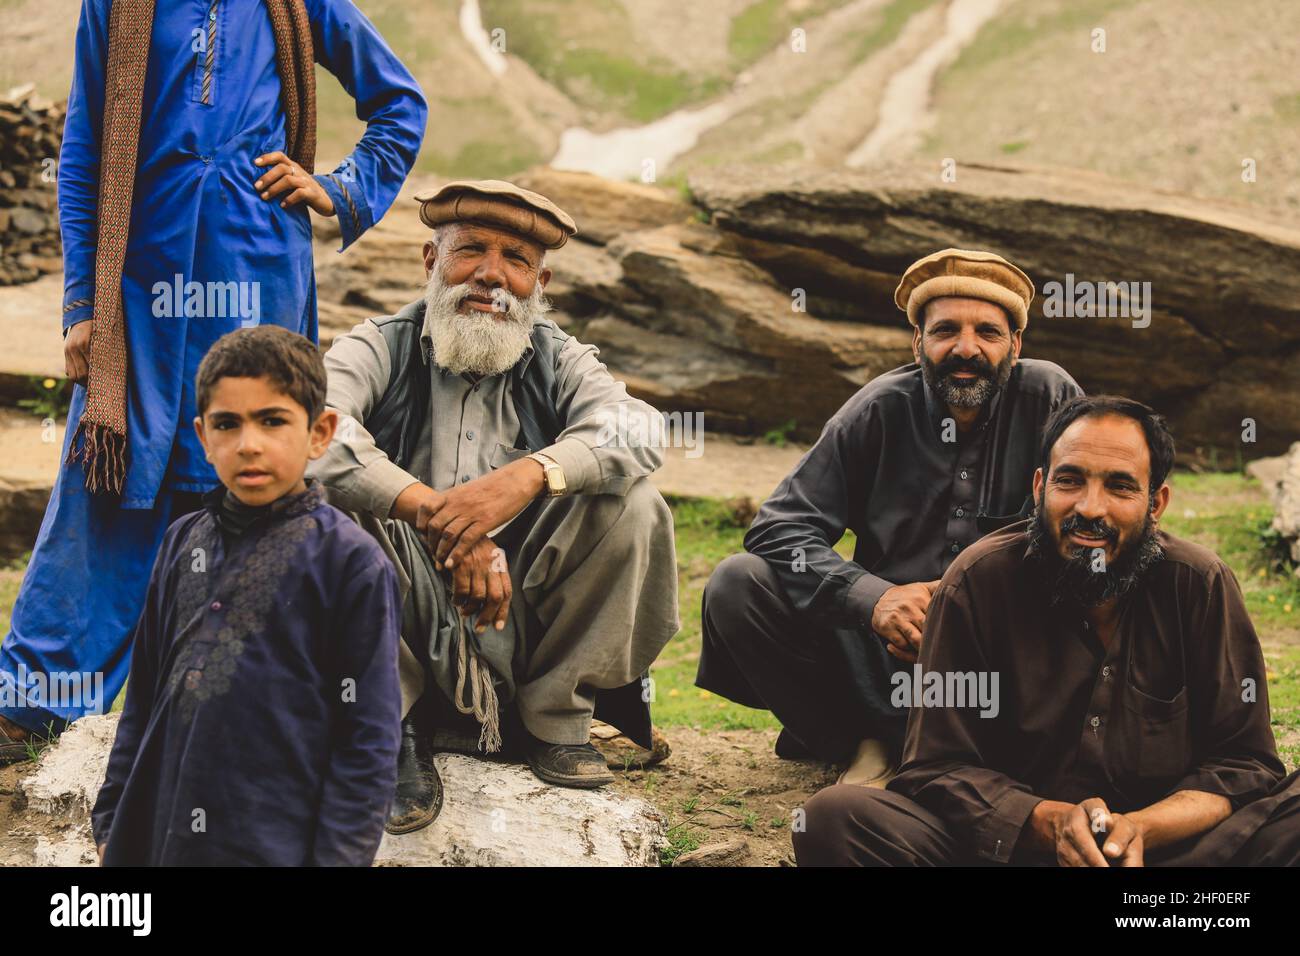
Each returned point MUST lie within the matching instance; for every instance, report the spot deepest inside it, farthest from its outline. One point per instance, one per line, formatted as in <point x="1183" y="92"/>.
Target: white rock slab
<point x="493" y="814"/>
<point x="70" y="773"/>
<point x="499" y="814"/>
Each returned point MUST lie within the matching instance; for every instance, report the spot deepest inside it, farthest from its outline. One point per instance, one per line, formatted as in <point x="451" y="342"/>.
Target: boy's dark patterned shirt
<point x="263" y="713"/>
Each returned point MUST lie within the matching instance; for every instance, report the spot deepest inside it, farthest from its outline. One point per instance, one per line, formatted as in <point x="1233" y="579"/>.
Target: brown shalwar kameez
<point x="1177" y="702"/>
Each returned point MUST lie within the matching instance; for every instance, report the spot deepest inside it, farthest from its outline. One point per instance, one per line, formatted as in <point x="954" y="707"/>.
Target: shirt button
<point x="1096" y="722"/>
<point x="216" y="605"/>
<point x="464" y="478"/>
<point x="469" y="435"/>
<point x="474" y="389"/>
<point x="960" y="512"/>
<point x="1105" y="672"/>
<point x="955" y="547"/>
<point x="206" y="159"/>
<point x="212" y="15"/>
<point x="963" y="475"/>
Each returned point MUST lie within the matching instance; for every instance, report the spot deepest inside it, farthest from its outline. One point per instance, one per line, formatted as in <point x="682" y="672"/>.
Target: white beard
<point x="481" y="343"/>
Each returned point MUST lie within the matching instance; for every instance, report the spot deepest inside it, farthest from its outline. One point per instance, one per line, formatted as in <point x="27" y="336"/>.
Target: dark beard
<point x="1074" y="581"/>
<point x="978" y="392"/>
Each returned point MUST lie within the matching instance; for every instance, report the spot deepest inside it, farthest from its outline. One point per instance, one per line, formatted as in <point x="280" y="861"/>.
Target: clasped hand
<point x="1075" y="832"/>
<point x="455" y="525"/>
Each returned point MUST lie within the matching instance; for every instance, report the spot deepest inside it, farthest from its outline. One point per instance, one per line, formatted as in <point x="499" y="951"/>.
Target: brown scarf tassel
<point x="101" y="432"/>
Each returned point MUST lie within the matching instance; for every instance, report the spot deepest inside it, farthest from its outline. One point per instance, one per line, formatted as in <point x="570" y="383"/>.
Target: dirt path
<point x="30" y="327"/>
<point x="728" y="786"/>
<point x="728" y="467"/>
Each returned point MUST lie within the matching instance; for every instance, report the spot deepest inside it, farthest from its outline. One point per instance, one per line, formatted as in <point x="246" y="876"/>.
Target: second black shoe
<point x="569" y="765"/>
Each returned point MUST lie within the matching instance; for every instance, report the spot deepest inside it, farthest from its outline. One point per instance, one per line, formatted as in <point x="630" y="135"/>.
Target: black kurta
<point x="912" y="489"/>
<point x="1178" y="701"/>
<point x="787" y="627"/>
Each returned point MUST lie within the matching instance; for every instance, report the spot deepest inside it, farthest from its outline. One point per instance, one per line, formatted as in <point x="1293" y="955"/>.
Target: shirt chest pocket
<point x="1155" y="740"/>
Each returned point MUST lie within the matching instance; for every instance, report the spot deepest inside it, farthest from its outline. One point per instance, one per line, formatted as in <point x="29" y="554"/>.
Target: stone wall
<point x="31" y="129"/>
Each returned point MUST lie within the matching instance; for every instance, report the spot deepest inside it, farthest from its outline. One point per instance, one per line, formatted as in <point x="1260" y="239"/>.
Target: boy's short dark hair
<point x="289" y="360"/>
<point x="1160" y="443"/>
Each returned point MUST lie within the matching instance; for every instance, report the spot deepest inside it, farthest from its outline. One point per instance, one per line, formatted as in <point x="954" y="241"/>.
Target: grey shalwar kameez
<point x="594" y="573"/>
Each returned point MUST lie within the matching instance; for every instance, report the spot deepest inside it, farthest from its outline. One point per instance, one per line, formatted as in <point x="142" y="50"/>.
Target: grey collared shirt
<point x="473" y="426"/>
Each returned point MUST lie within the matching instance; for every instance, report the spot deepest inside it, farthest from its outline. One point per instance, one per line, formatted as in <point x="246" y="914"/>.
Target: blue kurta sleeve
<point x="78" y="170"/>
<point x="146" y="649"/>
<point x="390" y="102"/>
<point x="366" y="730"/>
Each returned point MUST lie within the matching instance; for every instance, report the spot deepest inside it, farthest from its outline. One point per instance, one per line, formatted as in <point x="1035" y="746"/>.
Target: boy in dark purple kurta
<point x="262" y="718"/>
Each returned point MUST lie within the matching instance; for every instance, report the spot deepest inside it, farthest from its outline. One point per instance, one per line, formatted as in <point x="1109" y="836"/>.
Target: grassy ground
<point x="1225" y="512"/>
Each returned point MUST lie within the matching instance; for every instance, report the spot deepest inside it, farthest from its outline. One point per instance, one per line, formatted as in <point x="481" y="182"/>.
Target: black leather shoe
<point x="418" y="797"/>
<point x="569" y="765"/>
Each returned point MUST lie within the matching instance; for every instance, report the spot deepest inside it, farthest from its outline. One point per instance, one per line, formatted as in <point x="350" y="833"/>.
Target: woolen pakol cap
<point x="968" y="273"/>
<point x="494" y="202"/>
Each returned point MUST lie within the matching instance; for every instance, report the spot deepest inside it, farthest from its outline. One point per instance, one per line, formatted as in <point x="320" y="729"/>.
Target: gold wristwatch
<point x="552" y="472"/>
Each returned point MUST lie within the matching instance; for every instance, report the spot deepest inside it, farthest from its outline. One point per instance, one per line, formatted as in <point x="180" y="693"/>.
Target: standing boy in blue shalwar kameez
<point x="188" y="191"/>
<point x="262" y="716"/>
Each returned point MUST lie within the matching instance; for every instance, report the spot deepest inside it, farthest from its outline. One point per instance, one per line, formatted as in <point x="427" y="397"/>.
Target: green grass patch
<point x="482" y="159"/>
<point x="887" y="26"/>
<point x="708" y="530"/>
<point x="589" y="49"/>
<point x="640" y="91"/>
<point x="756" y="29"/>
<point x="765" y="24"/>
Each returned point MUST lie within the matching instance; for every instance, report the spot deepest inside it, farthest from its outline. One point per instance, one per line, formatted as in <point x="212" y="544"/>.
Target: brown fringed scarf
<point x="103" y="423"/>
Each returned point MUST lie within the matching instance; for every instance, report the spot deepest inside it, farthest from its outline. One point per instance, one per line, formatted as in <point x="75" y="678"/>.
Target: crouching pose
<point x="920" y="463"/>
<point x="1131" y="724"/>
<point x="481" y="445"/>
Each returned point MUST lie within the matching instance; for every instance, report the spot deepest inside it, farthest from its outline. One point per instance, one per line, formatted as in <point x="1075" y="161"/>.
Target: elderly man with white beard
<point x="479" y="443"/>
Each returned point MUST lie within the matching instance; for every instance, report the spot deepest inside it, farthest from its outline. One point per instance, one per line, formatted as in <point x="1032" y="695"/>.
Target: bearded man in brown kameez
<point x="1133" y="726"/>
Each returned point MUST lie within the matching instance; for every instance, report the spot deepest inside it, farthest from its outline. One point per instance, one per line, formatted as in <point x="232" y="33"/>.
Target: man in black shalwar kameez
<point x="919" y="464"/>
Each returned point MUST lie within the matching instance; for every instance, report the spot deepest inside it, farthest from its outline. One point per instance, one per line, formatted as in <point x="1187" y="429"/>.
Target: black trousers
<point x="829" y="686"/>
<point x="847" y="825"/>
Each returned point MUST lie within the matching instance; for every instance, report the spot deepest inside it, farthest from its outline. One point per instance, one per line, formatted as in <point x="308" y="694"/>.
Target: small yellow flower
<point x="674" y="692"/>
<point x="1263" y="573"/>
<point x="1287" y="608"/>
<point x="49" y="383"/>
<point x="704" y="695"/>
<point x="1272" y="599"/>
<point x="722" y="707"/>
